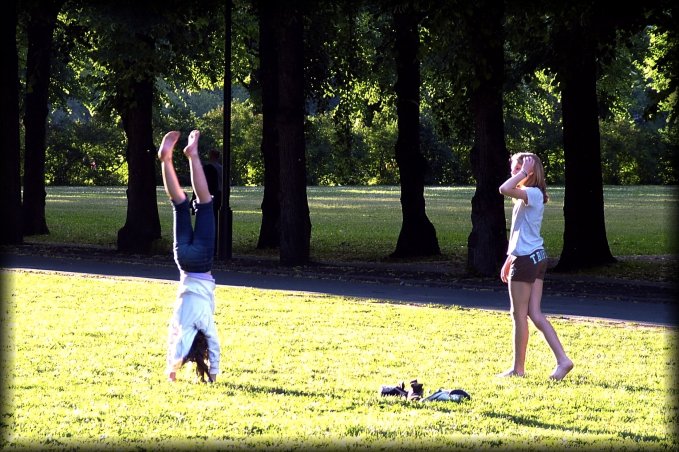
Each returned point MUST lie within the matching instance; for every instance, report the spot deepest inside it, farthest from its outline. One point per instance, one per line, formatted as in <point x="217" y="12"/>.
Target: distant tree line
<point x="343" y="93"/>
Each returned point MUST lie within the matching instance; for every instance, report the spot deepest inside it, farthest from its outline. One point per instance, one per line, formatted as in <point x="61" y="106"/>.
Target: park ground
<point x="662" y="288"/>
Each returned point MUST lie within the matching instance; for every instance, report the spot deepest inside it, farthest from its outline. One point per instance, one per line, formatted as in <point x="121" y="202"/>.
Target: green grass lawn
<point x="86" y="360"/>
<point x="351" y="224"/>
<point x="363" y="223"/>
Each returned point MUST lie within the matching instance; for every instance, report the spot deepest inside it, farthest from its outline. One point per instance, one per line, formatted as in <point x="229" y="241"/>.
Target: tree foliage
<point x="124" y="72"/>
<point x="531" y="106"/>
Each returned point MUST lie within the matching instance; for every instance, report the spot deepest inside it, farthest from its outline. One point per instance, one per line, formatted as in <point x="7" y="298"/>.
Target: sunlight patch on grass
<point x="86" y="359"/>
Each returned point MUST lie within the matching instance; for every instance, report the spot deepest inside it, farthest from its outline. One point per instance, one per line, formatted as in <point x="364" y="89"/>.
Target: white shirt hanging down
<point x="193" y="311"/>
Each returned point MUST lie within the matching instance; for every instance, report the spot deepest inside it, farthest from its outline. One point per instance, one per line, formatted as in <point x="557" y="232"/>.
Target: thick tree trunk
<point x="584" y="239"/>
<point x="417" y="236"/>
<point x="142" y="224"/>
<point x="10" y="175"/>
<point x="269" y="232"/>
<point x="487" y="242"/>
<point x="295" y="221"/>
<point x="41" y="25"/>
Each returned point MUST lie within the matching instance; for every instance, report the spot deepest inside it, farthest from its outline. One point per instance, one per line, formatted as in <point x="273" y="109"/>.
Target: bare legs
<point x="170" y="181"/>
<point x="519" y="293"/>
<point x="563" y="363"/>
<point x="525" y="299"/>
<point x="172" y="187"/>
<point x="198" y="181"/>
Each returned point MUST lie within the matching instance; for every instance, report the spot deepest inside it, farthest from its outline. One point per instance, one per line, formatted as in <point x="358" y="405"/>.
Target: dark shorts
<point x="529" y="268"/>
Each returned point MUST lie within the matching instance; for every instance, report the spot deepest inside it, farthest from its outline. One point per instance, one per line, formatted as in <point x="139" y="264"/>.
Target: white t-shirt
<point x="524" y="237"/>
<point x="193" y="311"/>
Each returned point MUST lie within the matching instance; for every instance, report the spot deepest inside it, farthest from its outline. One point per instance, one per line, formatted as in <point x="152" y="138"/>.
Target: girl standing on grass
<point x="524" y="268"/>
<point x="192" y="330"/>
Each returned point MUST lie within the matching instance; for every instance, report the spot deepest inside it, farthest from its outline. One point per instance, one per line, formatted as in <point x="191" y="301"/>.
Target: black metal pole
<point x="225" y="227"/>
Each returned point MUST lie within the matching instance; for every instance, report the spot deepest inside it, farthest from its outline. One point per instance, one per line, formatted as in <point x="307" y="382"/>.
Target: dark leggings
<point x="194" y="249"/>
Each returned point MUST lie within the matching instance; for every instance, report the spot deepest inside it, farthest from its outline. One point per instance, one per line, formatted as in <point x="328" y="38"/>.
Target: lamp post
<point x="225" y="226"/>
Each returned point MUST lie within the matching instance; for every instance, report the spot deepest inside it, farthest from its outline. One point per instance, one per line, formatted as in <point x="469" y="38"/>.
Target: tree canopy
<point x="575" y="83"/>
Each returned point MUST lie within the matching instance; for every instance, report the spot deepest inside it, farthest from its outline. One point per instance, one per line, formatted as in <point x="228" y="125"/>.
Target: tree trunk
<point x="417" y="236"/>
<point x="142" y="224"/>
<point x="295" y="221"/>
<point x="487" y="242"/>
<point x="584" y="239"/>
<point x="269" y="232"/>
<point x="10" y="176"/>
<point x="41" y="25"/>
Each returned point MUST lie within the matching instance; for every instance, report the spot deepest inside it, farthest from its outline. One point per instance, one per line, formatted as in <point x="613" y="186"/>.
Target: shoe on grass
<point x="397" y="390"/>
<point x="416" y="390"/>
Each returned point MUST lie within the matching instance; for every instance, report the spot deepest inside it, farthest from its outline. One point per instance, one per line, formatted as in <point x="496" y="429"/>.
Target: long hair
<point x="537" y="179"/>
<point x="198" y="354"/>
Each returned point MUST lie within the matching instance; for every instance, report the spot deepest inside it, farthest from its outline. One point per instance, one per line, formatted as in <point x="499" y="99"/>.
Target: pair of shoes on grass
<point x="415" y="393"/>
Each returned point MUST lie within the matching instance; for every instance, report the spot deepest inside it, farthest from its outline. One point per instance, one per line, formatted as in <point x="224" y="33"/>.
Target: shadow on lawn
<point x="531" y="422"/>
<point x="234" y="389"/>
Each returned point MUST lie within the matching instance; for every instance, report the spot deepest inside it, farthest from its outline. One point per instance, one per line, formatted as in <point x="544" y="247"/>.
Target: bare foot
<point x="172" y="376"/>
<point x="191" y="148"/>
<point x="167" y="145"/>
<point x="562" y="370"/>
<point x="510" y="373"/>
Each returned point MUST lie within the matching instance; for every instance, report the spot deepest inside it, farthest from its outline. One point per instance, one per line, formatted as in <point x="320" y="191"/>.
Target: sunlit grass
<point x="86" y="359"/>
<point x="363" y="223"/>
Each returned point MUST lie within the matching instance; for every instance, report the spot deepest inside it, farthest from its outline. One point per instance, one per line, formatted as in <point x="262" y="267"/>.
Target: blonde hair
<point x="537" y="179"/>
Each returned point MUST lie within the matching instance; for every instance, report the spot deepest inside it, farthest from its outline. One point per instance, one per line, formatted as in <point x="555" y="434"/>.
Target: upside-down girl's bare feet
<point x="562" y="370"/>
<point x="191" y="148"/>
<point x="167" y="145"/>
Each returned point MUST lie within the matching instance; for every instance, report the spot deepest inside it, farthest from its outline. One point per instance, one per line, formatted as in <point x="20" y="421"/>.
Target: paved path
<point x="492" y="298"/>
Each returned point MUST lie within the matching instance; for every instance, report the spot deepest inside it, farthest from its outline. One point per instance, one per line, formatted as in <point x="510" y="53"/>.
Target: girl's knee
<point x="518" y="313"/>
<point x="539" y="320"/>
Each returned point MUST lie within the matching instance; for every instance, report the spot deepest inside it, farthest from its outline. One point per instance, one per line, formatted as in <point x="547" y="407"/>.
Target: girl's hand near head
<point x="528" y="165"/>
